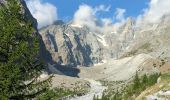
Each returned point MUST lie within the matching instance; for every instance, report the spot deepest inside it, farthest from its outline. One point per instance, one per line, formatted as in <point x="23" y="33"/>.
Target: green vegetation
<point x="19" y="60"/>
<point x="162" y="85"/>
<point x="165" y="77"/>
<point x="55" y="94"/>
<point x="61" y="93"/>
<point x="132" y="90"/>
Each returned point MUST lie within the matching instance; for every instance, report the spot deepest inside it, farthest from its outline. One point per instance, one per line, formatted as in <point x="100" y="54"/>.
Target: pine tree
<point x="94" y="97"/>
<point x="153" y="78"/>
<point x="136" y="82"/>
<point x="145" y="79"/>
<point x="20" y="66"/>
<point x="117" y="96"/>
<point x="144" y="82"/>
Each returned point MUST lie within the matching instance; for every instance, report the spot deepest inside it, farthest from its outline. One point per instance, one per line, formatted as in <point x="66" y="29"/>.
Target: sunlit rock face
<point x="74" y="45"/>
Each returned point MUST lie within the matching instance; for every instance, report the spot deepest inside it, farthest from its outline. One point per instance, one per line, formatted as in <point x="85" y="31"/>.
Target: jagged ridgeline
<point x="20" y="65"/>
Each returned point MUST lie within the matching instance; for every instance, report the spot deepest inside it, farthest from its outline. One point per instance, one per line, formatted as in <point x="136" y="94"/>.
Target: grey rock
<point x="74" y="45"/>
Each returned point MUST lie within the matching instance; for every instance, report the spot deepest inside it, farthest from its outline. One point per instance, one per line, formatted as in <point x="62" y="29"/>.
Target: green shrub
<point x="138" y="85"/>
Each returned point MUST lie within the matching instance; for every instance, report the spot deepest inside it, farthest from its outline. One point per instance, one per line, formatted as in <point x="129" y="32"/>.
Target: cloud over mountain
<point x="156" y="9"/>
<point x="86" y="15"/>
<point x="45" y="13"/>
<point x="120" y="14"/>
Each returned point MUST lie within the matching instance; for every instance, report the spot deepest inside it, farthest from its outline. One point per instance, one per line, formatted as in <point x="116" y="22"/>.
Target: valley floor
<point x="122" y="70"/>
<point x="96" y="89"/>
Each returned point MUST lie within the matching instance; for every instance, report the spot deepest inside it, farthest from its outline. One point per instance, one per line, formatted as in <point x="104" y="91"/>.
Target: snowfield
<point x="102" y="40"/>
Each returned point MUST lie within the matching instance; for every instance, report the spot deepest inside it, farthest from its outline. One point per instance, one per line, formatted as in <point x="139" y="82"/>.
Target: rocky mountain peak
<point x="130" y="21"/>
<point x="72" y="44"/>
<point x="58" y="22"/>
<point x="76" y="45"/>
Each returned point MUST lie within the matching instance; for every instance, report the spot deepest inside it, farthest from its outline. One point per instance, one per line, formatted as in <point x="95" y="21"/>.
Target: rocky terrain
<point x="119" y="70"/>
<point x="95" y="90"/>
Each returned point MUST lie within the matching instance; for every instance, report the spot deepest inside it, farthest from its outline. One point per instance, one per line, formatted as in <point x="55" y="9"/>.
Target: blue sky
<point x="104" y="12"/>
<point x="67" y="8"/>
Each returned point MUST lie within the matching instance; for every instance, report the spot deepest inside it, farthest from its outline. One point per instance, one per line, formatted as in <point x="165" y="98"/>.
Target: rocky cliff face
<point x="67" y="45"/>
<point x="74" y="45"/>
<point x="78" y="45"/>
<point x="151" y="39"/>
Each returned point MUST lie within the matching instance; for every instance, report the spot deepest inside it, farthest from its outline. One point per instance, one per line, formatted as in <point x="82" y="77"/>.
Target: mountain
<point x="151" y="39"/>
<point x="75" y="45"/>
<point x="114" y="56"/>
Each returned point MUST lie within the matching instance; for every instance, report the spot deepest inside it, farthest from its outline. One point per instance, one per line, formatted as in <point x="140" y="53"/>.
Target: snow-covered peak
<point x="76" y="25"/>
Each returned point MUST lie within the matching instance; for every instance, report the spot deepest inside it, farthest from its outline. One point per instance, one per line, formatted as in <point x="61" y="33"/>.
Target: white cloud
<point x="45" y="13"/>
<point x="119" y="18"/>
<point x="106" y="21"/>
<point x="108" y="25"/>
<point x="120" y="14"/>
<point x="102" y="8"/>
<point x="86" y="15"/>
<point x="156" y="10"/>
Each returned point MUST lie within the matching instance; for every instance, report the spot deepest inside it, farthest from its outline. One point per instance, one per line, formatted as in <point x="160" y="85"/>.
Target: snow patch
<point x="67" y="34"/>
<point x="76" y="25"/>
<point x="102" y="40"/>
<point x="113" y="32"/>
<point x="127" y="47"/>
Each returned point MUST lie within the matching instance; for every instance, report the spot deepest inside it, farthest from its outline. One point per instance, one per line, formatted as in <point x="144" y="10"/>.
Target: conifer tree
<point x="20" y="66"/>
<point x="145" y="79"/>
<point x="136" y="82"/>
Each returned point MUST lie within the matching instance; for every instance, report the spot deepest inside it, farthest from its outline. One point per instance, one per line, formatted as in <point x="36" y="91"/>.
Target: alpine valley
<point x="129" y="61"/>
<point x="112" y="57"/>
